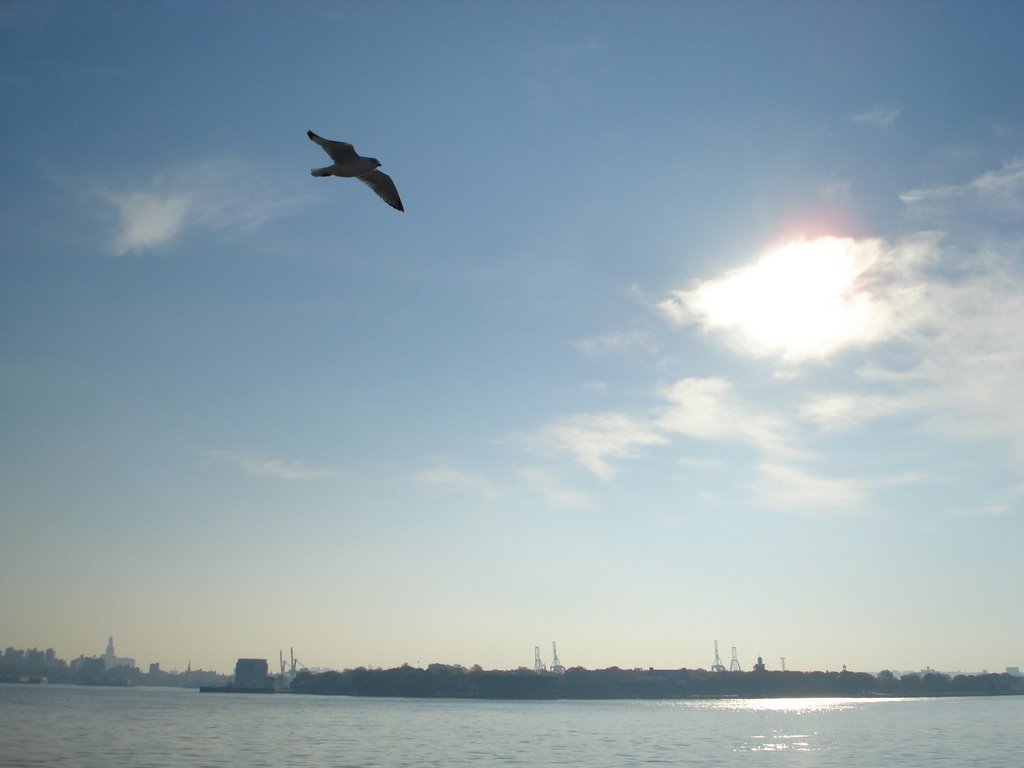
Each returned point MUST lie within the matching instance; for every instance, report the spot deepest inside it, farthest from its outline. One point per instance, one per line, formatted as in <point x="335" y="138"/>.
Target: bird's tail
<point x="321" y="171"/>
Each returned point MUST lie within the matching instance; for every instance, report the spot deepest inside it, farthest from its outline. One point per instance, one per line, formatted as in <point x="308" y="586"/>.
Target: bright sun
<point x="804" y="300"/>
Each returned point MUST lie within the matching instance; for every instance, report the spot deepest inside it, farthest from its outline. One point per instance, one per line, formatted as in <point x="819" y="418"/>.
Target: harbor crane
<point x="292" y="669"/>
<point x="718" y="666"/>
<point x="556" y="665"/>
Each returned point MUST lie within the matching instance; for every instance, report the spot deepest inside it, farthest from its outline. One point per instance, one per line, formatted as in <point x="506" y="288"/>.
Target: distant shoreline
<point x="441" y="681"/>
<point x="607" y="696"/>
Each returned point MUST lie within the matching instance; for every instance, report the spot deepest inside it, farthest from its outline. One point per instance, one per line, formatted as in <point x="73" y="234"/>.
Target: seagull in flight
<point x="349" y="164"/>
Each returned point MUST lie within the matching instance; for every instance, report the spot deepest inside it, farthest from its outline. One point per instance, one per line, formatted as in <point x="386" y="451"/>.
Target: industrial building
<point x="253" y="674"/>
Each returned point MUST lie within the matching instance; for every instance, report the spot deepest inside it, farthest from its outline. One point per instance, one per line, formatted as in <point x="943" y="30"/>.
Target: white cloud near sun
<point x="952" y="315"/>
<point x="805" y="300"/>
<point x="809" y="301"/>
<point x="908" y="331"/>
<point x="213" y="194"/>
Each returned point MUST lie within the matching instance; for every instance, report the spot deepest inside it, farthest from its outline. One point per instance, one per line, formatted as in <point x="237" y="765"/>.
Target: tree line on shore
<point x="454" y="681"/>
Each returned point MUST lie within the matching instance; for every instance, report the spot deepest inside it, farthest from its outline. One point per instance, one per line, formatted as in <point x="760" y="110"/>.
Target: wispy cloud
<point x="707" y="409"/>
<point x="1001" y="190"/>
<point x="972" y="355"/>
<point x="969" y="367"/>
<point x="616" y="342"/>
<point x="443" y="478"/>
<point x="701" y="409"/>
<point x="534" y="482"/>
<point x="842" y="411"/>
<point x="881" y="115"/>
<point x="701" y="464"/>
<point x="1001" y="505"/>
<point x="279" y="468"/>
<point x="710" y="410"/>
<point x="148" y="219"/>
<point x="835" y="190"/>
<point x="554" y="494"/>
<point x="594" y="440"/>
<point x="792" y="488"/>
<point x="217" y="194"/>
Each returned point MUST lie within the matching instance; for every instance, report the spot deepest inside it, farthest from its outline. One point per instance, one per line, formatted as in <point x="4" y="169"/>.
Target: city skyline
<point x="702" y="321"/>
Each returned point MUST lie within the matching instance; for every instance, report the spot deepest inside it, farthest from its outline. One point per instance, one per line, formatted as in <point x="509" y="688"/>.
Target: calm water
<point x="138" y="727"/>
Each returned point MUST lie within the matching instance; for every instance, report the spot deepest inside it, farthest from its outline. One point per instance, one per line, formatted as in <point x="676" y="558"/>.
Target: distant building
<point x="110" y="660"/>
<point x="154" y="668"/>
<point x="1015" y="671"/>
<point x="759" y="667"/>
<point x="252" y="673"/>
<point x="88" y="666"/>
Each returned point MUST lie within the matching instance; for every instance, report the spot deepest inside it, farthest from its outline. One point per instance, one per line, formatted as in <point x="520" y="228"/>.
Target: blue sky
<point x="703" y="322"/>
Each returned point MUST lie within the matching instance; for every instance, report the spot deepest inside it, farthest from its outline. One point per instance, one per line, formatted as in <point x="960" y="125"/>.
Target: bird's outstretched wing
<point x="339" y="151"/>
<point x="385" y="188"/>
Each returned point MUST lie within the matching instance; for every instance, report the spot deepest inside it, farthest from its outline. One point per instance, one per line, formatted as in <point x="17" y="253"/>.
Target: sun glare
<point x="804" y="300"/>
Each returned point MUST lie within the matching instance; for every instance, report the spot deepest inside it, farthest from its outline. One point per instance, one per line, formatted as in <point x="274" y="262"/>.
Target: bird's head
<point x="374" y="161"/>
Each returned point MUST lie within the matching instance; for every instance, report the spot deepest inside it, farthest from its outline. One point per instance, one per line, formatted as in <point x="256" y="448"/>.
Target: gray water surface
<point x="83" y="727"/>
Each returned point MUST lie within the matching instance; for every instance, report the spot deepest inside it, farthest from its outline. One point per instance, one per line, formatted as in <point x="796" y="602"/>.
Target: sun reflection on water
<point x="771" y="726"/>
<point x="794" y="706"/>
<point x="781" y="743"/>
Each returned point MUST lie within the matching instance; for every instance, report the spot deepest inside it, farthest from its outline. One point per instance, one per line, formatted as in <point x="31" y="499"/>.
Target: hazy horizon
<point x="702" y="322"/>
